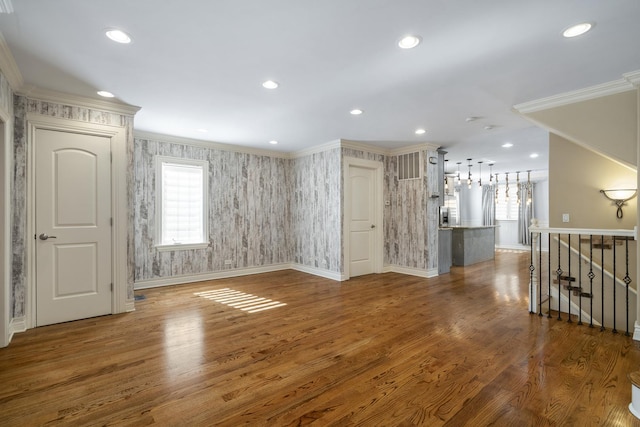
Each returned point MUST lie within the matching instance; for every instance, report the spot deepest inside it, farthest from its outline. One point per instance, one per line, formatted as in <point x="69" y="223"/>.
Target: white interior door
<point x="363" y="223"/>
<point x="73" y="226"/>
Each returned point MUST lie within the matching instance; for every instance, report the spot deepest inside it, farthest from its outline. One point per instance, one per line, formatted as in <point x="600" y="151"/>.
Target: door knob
<point x="373" y="226"/>
<point x="44" y="236"/>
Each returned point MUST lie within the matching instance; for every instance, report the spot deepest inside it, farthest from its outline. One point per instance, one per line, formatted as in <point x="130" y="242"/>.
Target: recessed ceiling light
<point x="356" y="111"/>
<point x="577" y="30"/>
<point x="105" y="94"/>
<point x="118" y="36"/>
<point x="270" y="84"/>
<point x="507" y="145"/>
<point x="409" y="42"/>
<point x="420" y="131"/>
<point x="471" y="119"/>
<point x="534" y="155"/>
<point x="489" y="127"/>
<point x="273" y="142"/>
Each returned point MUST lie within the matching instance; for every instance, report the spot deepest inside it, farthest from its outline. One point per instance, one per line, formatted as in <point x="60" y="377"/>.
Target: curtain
<point x="525" y="213"/>
<point x="488" y="205"/>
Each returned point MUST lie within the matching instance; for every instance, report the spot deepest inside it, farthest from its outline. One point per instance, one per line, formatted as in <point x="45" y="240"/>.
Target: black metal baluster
<point x="559" y="274"/>
<point x="540" y="274"/>
<point x="627" y="281"/>
<point x="568" y="277"/>
<point x="580" y="279"/>
<point x="591" y="276"/>
<point x="615" y="331"/>
<point x="602" y="328"/>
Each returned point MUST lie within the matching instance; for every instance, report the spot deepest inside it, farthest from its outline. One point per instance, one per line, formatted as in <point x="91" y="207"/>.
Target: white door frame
<point x="119" y="208"/>
<point x="378" y="169"/>
<point x="5" y="223"/>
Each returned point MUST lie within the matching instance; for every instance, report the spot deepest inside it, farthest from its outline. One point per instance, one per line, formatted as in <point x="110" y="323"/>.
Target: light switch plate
<point x="565" y="217"/>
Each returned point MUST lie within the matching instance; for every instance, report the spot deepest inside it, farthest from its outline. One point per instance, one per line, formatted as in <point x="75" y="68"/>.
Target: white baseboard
<point x="177" y="280"/>
<point x="515" y="247"/>
<point x="327" y="274"/>
<point x="411" y="271"/>
<point x="130" y="306"/>
<point x="16" y="325"/>
<point x="636" y="331"/>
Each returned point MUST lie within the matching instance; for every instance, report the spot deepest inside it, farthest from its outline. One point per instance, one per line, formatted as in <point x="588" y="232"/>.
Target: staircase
<point x="585" y="277"/>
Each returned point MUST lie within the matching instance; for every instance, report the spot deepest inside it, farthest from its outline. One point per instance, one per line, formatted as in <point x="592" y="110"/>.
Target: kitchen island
<point x="470" y="245"/>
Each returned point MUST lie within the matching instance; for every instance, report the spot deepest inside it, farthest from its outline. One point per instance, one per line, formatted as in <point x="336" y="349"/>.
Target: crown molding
<point x="33" y="92"/>
<point x="593" y="92"/>
<point x="208" y="144"/>
<point x="413" y="148"/>
<point x="361" y="146"/>
<point x="317" y="149"/>
<point x="8" y="65"/>
<point x="355" y="145"/>
<point x="633" y="78"/>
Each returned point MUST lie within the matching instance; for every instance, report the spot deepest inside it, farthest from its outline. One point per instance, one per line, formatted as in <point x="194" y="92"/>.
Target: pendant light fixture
<point x="506" y="190"/>
<point x="490" y="173"/>
<point x="528" y="187"/>
<point x="480" y="174"/>
<point x="469" y="177"/>
<point x="518" y="187"/>
<point x="497" y="189"/>
<point x="458" y="172"/>
<point x="446" y="178"/>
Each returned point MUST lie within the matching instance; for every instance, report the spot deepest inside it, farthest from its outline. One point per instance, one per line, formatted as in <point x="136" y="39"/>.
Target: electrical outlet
<point x="565" y="217"/>
<point x="227" y="262"/>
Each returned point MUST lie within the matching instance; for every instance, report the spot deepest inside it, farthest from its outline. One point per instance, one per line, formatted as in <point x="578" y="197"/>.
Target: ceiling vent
<point x="409" y="166"/>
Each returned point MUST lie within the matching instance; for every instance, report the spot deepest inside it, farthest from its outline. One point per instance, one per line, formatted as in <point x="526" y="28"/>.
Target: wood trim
<point x="633" y="78"/>
<point x="191" y="278"/>
<point x="152" y="136"/>
<point x="79" y="101"/>
<point x="17" y="325"/>
<point x="8" y="65"/>
<point x="5" y="223"/>
<point x="593" y="92"/>
<point x="411" y="271"/>
<point x="320" y="272"/>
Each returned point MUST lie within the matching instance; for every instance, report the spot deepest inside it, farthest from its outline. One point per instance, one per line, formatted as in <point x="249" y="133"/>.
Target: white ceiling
<point x="200" y="64"/>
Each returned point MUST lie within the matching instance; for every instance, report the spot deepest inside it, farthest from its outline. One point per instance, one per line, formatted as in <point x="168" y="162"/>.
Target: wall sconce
<point x="620" y="197"/>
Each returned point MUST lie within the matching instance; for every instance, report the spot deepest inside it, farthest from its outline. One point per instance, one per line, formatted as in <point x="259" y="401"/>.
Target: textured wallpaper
<point x="249" y="215"/>
<point x="411" y="219"/>
<point x="317" y="210"/>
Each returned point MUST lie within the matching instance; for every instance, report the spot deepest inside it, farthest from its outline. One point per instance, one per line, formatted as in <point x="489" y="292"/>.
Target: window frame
<point x="204" y="164"/>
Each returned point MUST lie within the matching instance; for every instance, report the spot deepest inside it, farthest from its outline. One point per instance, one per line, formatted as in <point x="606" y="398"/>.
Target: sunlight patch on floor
<point x="240" y="300"/>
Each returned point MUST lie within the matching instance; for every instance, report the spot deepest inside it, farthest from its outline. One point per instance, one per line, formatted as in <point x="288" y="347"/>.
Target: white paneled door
<point x="73" y="226"/>
<point x="363" y="222"/>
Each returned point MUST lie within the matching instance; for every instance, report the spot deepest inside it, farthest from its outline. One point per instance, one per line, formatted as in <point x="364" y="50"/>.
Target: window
<point x="507" y="209"/>
<point x="182" y="203"/>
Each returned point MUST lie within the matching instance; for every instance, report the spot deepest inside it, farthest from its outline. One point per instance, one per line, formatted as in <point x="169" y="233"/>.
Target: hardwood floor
<point x="388" y="349"/>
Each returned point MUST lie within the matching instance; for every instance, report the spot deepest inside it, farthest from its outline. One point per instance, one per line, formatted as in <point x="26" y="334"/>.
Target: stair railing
<point x="597" y="281"/>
